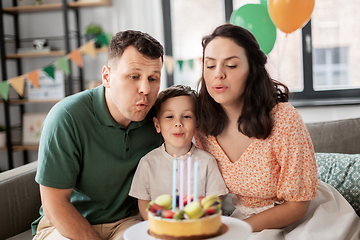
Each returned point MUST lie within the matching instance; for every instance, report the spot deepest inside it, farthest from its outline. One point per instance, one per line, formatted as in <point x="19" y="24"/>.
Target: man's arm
<point x="142" y="208"/>
<point x="64" y="216"/>
<point x="279" y="216"/>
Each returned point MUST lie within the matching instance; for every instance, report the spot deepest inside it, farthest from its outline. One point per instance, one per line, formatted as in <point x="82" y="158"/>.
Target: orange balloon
<point x="289" y="15"/>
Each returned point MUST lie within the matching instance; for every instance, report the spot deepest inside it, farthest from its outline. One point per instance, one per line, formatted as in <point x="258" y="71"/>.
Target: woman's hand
<point x="279" y="216"/>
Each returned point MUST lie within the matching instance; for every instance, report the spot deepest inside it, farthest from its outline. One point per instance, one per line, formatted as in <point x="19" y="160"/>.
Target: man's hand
<point x="64" y="216"/>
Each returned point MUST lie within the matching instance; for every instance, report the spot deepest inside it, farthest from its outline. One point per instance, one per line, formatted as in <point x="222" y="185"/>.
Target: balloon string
<point x="281" y="57"/>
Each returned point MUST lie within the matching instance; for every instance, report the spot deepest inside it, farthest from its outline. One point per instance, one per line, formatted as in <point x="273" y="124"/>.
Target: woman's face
<point x="226" y="70"/>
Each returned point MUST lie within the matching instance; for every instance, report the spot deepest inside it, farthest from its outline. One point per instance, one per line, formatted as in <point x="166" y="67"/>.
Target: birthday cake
<point x="199" y="219"/>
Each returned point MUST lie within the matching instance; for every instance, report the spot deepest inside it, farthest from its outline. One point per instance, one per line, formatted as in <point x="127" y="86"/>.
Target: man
<point x="92" y="141"/>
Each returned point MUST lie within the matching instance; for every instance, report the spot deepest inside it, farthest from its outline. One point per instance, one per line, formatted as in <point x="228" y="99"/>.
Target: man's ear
<point x="106" y="76"/>
<point x="157" y="124"/>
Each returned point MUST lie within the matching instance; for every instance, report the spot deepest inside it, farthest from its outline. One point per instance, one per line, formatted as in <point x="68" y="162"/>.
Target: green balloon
<point x="264" y="3"/>
<point x="256" y="19"/>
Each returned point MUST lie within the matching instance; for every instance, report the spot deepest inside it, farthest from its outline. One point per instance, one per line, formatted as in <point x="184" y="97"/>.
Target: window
<point x="191" y="20"/>
<point x="319" y="62"/>
<point x="331" y="68"/>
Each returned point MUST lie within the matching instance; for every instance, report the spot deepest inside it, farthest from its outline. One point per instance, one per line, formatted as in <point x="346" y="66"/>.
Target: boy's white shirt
<point x="153" y="176"/>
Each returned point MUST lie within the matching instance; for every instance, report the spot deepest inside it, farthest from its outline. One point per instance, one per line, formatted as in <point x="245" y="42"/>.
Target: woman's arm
<point x="64" y="216"/>
<point x="142" y="208"/>
<point x="279" y="216"/>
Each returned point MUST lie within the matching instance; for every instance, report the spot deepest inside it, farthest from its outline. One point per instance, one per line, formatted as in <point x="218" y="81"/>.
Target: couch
<point x="336" y="143"/>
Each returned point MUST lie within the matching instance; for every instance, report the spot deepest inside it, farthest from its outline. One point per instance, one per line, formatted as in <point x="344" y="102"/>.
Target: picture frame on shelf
<point x="32" y="123"/>
<point x="50" y="89"/>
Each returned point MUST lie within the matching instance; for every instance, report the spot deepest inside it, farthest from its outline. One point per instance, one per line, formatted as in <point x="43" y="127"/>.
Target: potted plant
<point x="2" y="136"/>
<point x="92" y="31"/>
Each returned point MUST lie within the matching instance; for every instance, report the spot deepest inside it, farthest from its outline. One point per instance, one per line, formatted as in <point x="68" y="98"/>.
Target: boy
<point x="175" y="110"/>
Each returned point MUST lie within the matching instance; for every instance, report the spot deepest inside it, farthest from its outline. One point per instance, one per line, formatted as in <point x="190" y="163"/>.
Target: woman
<point x="262" y="146"/>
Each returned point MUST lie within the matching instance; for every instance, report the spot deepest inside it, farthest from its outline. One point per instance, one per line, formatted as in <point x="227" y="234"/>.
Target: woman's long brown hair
<point x="261" y="93"/>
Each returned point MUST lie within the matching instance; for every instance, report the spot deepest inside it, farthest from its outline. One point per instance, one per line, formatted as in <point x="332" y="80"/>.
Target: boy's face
<point x="177" y="123"/>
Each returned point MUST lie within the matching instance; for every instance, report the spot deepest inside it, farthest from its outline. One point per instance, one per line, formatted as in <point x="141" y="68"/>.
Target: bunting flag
<point x="63" y="64"/>
<point x="191" y="63"/>
<point x="4" y="90"/>
<point x="18" y="84"/>
<point x="108" y="38"/>
<point x="169" y="64"/>
<point x="76" y="57"/>
<point x="89" y="48"/>
<point x="33" y="77"/>
<point x="102" y="39"/>
<point x="50" y="70"/>
<point x="180" y="62"/>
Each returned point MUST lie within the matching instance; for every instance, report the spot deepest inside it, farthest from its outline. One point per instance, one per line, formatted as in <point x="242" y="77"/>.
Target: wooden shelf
<point x="22" y="148"/>
<point x="34" y="8"/>
<point x="47" y="54"/>
<point x="23" y="101"/>
<point x="56" y="6"/>
<point x="25" y="147"/>
<point x="32" y="55"/>
<point x="82" y="4"/>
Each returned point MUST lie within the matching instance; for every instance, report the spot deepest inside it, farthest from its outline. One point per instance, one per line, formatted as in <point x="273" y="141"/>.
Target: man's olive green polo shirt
<point x="82" y="147"/>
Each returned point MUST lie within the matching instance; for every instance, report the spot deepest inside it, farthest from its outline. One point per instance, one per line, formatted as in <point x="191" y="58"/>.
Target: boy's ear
<point x="157" y="124"/>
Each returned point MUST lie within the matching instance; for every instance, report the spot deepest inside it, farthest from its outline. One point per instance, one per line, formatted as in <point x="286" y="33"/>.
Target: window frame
<point x="310" y="97"/>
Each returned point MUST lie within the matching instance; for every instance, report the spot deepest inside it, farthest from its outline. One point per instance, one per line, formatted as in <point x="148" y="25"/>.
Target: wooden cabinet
<point x="64" y="6"/>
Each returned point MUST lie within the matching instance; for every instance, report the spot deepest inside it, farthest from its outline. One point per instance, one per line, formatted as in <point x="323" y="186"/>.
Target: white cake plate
<point x="238" y="229"/>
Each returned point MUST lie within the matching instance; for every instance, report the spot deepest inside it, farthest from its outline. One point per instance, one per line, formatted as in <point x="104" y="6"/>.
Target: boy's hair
<point x="175" y="91"/>
<point x="143" y="42"/>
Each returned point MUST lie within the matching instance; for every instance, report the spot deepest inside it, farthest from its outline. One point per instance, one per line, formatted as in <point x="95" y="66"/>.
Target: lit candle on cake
<point x="174" y="184"/>
<point x="181" y="184"/>
<point x="189" y="163"/>
<point x="196" y="168"/>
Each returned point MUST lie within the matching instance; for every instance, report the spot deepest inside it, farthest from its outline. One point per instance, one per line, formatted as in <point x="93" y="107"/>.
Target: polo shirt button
<point x="127" y="149"/>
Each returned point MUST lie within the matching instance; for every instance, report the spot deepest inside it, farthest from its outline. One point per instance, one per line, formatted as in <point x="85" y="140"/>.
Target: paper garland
<point x="169" y="63"/>
<point x="63" y="63"/>
<point x="33" y="77"/>
<point x="18" y="84"/>
<point x="4" y="89"/>
<point x="76" y="56"/>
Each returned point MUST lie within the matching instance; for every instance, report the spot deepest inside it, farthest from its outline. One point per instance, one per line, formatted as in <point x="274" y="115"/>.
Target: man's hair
<point x="175" y="91"/>
<point x="143" y="42"/>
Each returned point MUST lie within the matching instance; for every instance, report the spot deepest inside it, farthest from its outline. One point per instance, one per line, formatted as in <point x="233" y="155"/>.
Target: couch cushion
<point x="342" y="171"/>
<point x="342" y="136"/>
<point x="22" y="236"/>
<point x="19" y="200"/>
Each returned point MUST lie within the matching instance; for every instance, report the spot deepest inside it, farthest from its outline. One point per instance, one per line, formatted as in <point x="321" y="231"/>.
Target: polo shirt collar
<point x="103" y="115"/>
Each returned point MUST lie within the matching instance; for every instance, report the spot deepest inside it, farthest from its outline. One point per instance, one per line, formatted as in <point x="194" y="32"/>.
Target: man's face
<point x="132" y="84"/>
